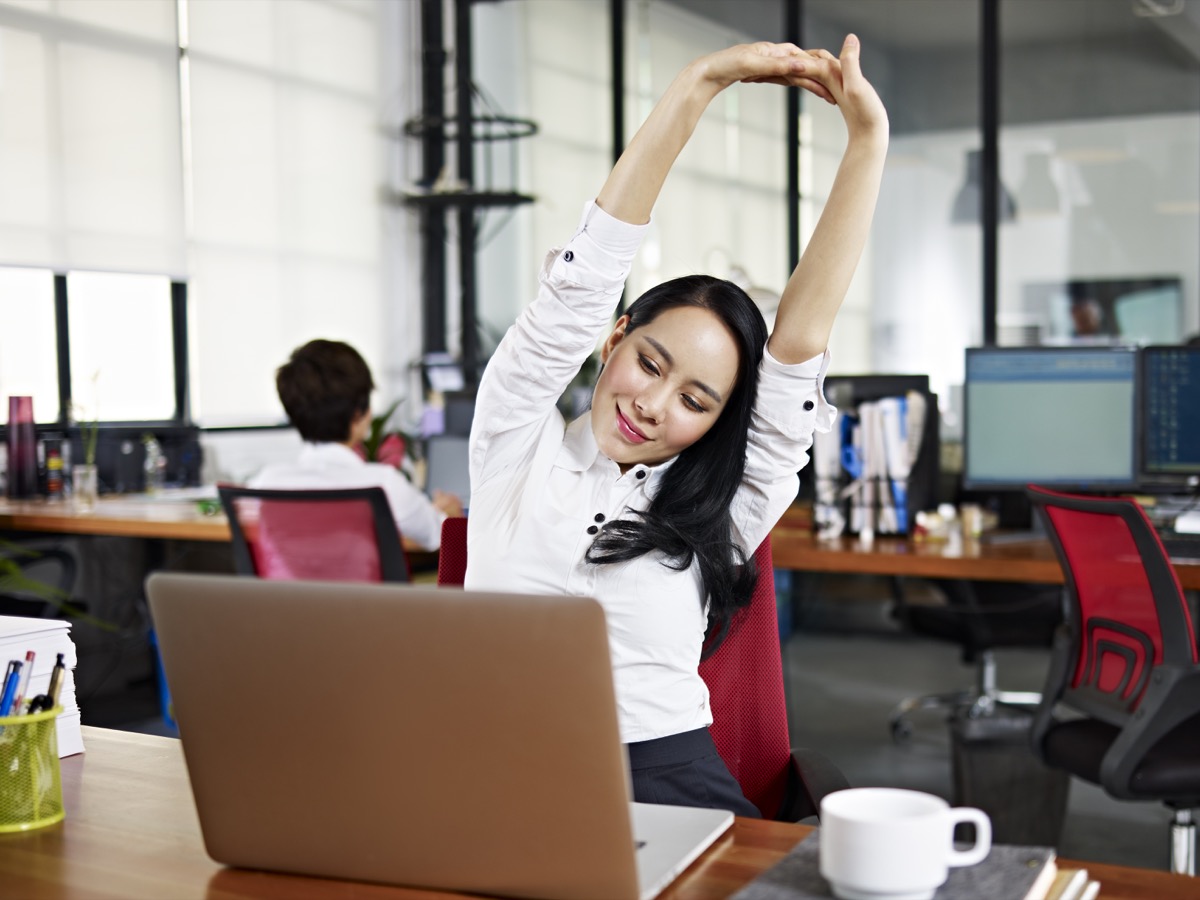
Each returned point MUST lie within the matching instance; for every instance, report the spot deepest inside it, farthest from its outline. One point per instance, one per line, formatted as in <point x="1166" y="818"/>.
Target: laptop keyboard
<point x="1182" y="546"/>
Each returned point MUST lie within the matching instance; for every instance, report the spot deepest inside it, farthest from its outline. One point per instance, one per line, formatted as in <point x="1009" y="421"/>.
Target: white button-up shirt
<point x="541" y="489"/>
<point x="325" y="466"/>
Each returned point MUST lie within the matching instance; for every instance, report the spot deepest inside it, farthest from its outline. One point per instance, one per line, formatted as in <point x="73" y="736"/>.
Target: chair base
<point x="979" y="701"/>
<point x="1183" y="843"/>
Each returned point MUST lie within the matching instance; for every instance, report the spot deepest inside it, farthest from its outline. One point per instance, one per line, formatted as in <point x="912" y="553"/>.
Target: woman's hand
<point x="759" y="63"/>
<point x="638" y="176"/>
<point x="841" y="77"/>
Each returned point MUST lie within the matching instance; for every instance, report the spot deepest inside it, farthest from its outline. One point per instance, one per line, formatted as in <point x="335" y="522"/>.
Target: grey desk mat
<point x="1007" y="874"/>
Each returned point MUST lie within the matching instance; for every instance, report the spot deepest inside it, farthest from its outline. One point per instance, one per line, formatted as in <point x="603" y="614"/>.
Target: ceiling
<point x="1060" y="59"/>
<point x="910" y="25"/>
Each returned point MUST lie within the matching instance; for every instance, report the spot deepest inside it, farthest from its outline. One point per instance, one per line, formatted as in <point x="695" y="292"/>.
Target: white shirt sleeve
<point x="789" y="408"/>
<point x="417" y="518"/>
<point x="579" y="287"/>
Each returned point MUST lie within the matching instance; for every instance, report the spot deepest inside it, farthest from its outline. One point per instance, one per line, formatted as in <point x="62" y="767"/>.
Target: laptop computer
<point x="448" y="465"/>
<point x="402" y="734"/>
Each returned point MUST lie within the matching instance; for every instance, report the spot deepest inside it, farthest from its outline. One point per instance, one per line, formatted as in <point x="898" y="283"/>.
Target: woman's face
<point x="663" y="385"/>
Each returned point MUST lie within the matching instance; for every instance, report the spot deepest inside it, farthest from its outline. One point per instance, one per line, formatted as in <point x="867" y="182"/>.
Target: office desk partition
<point x="131" y="832"/>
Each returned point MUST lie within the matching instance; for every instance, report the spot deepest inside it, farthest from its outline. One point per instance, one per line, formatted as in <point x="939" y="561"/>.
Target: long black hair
<point x="689" y="517"/>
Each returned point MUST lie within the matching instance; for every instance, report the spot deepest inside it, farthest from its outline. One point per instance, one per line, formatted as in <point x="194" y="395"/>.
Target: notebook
<point x="402" y="734"/>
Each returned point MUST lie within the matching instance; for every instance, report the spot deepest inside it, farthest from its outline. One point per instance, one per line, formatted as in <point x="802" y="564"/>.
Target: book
<point x="46" y="638"/>
<point x="1010" y="872"/>
<point x="1068" y="884"/>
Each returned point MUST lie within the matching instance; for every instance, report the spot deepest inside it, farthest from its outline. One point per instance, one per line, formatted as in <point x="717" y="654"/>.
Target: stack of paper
<point x="46" y="638"/>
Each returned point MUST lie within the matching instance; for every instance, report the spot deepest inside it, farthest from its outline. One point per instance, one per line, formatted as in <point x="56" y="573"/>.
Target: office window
<point x="920" y="278"/>
<point x="723" y="210"/>
<point x="287" y="165"/>
<point x="532" y="64"/>
<point x="1103" y="173"/>
<point x="28" y="355"/>
<point x="90" y="165"/>
<point x="122" y="359"/>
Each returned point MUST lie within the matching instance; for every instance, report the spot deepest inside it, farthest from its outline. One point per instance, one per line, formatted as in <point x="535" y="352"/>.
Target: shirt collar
<point x="329" y="454"/>
<point x="580" y="452"/>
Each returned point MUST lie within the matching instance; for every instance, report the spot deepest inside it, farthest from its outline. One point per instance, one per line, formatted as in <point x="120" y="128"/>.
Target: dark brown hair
<point x="324" y="386"/>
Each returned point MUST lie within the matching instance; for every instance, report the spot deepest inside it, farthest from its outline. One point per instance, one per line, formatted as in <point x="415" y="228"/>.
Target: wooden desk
<point x="1032" y="561"/>
<point x="131" y="831"/>
<point x="133" y="516"/>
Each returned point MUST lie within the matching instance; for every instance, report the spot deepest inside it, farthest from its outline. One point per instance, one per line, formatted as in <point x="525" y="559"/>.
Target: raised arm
<point x="636" y="179"/>
<point x="815" y="291"/>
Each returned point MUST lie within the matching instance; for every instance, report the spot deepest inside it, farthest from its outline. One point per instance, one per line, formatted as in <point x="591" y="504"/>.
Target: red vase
<point x="22" y="449"/>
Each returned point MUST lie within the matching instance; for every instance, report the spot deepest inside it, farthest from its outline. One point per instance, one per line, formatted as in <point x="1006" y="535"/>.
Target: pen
<point x="55" y="682"/>
<point x="12" y="676"/>
<point x="23" y="684"/>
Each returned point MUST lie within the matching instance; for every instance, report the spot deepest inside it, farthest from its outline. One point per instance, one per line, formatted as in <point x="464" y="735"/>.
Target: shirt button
<point x="592" y="529"/>
<point x="808" y="404"/>
<point x="641" y="473"/>
<point x="568" y="256"/>
<point x="599" y="517"/>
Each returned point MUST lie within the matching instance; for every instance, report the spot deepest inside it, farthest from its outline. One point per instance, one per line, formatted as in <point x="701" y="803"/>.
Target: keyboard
<point x="1181" y="546"/>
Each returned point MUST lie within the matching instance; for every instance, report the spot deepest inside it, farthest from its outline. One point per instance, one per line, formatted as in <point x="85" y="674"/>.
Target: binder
<point x="886" y="442"/>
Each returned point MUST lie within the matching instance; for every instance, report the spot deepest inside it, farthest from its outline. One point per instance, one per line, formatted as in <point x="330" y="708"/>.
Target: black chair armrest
<point x="811" y="776"/>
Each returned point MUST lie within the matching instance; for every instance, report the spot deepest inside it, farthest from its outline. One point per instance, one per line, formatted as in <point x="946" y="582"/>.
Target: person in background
<point x="655" y="500"/>
<point x="325" y="387"/>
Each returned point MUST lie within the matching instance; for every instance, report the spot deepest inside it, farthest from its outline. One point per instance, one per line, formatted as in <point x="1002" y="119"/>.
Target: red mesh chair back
<point x="1127" y="613"/>
<point x="452" y="555"/>
<point x="745" y="684"/>
<point x="326" y="535"/>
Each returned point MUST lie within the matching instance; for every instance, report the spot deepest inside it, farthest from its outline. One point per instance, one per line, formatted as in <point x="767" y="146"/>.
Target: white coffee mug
<point x="891" y="844"/>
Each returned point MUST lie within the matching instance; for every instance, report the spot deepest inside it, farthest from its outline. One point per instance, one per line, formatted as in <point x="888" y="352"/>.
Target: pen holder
<point x="30" y="779"/>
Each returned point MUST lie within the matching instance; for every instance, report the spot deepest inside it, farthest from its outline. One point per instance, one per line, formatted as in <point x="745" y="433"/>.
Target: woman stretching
<point x="655" y="500"/>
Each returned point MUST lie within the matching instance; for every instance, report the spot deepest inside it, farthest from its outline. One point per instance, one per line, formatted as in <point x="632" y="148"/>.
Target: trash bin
<point x="994" y="768"/>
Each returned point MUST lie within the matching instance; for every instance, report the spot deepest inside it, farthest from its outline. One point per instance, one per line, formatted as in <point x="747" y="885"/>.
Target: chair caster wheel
<point x="901" y="731"/>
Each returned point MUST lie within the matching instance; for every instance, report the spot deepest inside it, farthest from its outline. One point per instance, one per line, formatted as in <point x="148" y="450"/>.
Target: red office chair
<point x="333" y="535"/>
<point x="745" y="684"/>
<point x="452" y="554"/>
<point x="1125" y="663"/>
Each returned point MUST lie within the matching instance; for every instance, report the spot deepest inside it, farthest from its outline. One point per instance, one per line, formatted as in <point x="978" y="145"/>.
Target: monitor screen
<point x="1061" y="417"/>
<point x="1113" y="311"/>
<point x="1171" y="411"/>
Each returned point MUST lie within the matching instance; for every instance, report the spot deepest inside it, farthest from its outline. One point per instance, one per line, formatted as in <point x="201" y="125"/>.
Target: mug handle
<point x="983" y="836"/>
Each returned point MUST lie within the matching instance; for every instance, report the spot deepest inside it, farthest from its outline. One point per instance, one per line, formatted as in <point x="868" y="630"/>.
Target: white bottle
<point x="155" y="465"/>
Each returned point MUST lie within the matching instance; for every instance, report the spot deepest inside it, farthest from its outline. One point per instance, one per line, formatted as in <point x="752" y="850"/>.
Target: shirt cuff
<point x="611" y="234"/>
<point x="783" y="398"/>
<point x="810" y="368"/>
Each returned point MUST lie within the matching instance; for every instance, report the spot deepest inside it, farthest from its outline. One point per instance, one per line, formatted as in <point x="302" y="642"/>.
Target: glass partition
<point x="1103" y="164"/>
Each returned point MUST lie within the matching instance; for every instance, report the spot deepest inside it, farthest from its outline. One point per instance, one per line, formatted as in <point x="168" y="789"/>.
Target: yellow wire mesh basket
<point x="30" y="778"/>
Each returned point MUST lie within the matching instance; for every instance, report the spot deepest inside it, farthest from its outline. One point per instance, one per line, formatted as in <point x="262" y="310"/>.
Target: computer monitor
<point x="1063" y="417"/>
<point x="1091" y="312"/>
<point x="1170" y="408"/>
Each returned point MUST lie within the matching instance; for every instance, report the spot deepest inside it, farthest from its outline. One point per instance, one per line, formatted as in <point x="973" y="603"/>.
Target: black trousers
<point x="685" y="770"/>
